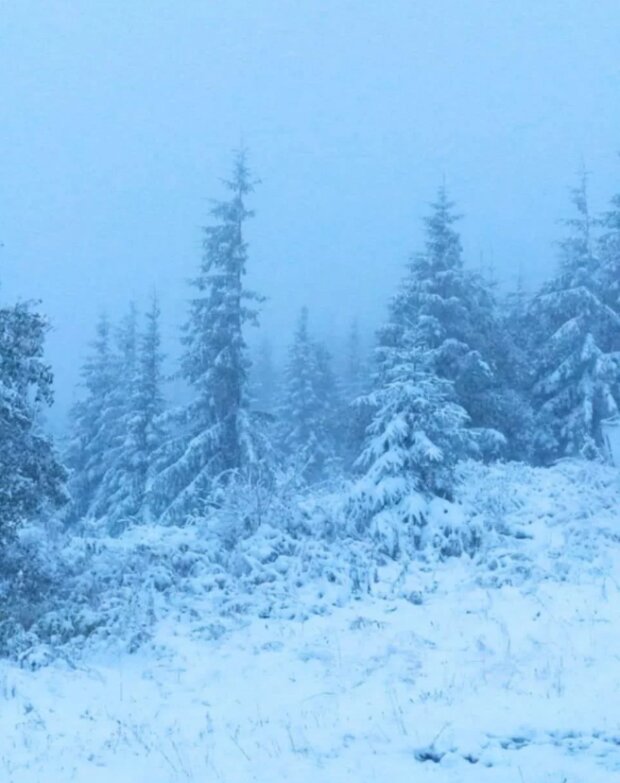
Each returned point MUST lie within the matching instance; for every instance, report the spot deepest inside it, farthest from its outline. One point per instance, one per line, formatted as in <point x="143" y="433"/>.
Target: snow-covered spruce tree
<point x="93" y="424"/>
<point x="116" y="501"/>
<point x="31" y="476"/>
<point x="213" y="437"/>
<point x="355" y="370"/>
<point x="417" y="435"/>
<point x="430" y="374"/>
<point x="137" y="407"/>
<point x="264" y="378"/>
<point x="309" y="405"/>
<point x="146" y="428"/>
<point x="512" y="351"/>
<point x="116" y="427"/>
<point x="356" y="382"/>
<point x="609" y="255"/>
<point x="452" y="312"/>
<point x="578" y="361"/>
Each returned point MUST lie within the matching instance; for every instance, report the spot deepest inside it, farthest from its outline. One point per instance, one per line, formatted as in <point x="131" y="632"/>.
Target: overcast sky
<point x="119" y="117"/>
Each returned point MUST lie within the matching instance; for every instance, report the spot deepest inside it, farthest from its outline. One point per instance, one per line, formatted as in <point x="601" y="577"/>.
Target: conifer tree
<point x="418" y="431"/>
<point x="264" y="378"/>
<point x="512" y="353"/>
<point x="430" y="373"/>
<point x="214" y="438"/>
<point x="355" y="379"/>
<point x="114" y="499"/>
<point x="577" y="364"/>
<point x="147" y="429"/>
<point x="308" y="409"/>
<point x="136" y="406"/>
<point x="31" y="476"/>
<point x="452" y="312"/>
<point x="609" y="252"/>
<point x="93" y="424"/>
<point x="354" y="415"/>
<point x="117" y="426"/>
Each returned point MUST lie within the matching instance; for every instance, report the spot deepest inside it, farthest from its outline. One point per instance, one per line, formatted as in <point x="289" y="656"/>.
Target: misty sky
<point x="119" y="116"/>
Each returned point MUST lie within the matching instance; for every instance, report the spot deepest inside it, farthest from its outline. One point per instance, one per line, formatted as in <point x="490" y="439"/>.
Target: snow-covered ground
<point x="502" y="668"/>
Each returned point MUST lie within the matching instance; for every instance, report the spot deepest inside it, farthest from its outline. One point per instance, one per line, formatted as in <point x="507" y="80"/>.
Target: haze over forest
<point x="120" y="118"/>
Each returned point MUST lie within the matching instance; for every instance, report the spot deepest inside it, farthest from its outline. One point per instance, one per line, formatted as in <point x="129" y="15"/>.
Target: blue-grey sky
<point x="118" y="118"/>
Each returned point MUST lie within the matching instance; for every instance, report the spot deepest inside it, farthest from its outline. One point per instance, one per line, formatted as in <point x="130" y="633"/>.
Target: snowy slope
<point x="501" y="668"/>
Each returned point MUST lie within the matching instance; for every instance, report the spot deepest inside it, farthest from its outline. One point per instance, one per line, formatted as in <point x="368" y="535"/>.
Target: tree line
<point x="458" y="371"/>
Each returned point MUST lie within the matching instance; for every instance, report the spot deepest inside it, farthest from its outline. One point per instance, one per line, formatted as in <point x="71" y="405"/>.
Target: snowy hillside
<point x="500" y="667"/>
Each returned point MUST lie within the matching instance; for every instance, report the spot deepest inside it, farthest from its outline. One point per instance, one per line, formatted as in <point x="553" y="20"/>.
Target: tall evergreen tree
<point x="355" y="370"/>
<point x="264" y="377"/>
<point x="512" y="351"/>
<point x="417" y="434"/>
<point x="118" y="499"/>
<point x="577" y="364"/>
<point x="147" y="430"/>
<point x="452" y="312"/>
<point x="418" y="431"/>
<point x="308" y="408"/>
<point x="609" y="252"/>
<point x="431" y="375"/>
<point x="214" y="436"/>
<point x="609" y="272"/>
<point x="93" y="424"/>
<point x="31" y="476"/>
<point x="117" y="426"/>
<point x="356" y="381"/>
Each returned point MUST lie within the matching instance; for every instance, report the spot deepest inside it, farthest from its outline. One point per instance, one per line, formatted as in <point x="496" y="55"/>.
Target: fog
<point x="119" y="119"/>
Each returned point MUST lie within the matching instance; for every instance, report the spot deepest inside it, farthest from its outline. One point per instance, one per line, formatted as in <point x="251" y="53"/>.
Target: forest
<point x="309" y="391"/>
<point x="459" y="371"/>
<point x="219" y="488"/>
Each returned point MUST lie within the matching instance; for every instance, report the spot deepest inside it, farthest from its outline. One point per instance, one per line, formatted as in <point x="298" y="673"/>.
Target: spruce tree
<point x="309" y="404"/>
<point x="93" y="424"/>
<point x="147" y="429"/>
<point x="356" y="372"/>
<point x="609" y="271"/>
<point x="117" y="428"/>
<point x="120" y="495"/>
<point x="31" y="476"/>
<point x="354" y="414"/>
<point x="430" y="374"/>
<point x="417" y="434"/>
<point x="512" y="352"/>
<point x="577" y="364"/>
<point x="418" y="431"/>
<point x="214" y="438"/>
<point x="452" y="312"/>
<point x="609" y="253"/>
<point x="264" y="378"/>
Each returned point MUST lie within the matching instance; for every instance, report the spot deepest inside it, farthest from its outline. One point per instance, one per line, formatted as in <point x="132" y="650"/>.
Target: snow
<point x="498" y="668"/>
